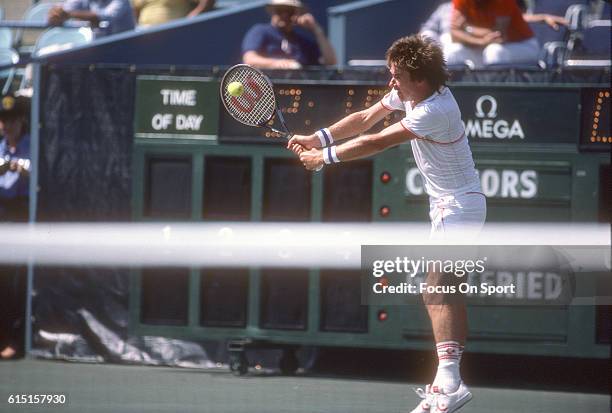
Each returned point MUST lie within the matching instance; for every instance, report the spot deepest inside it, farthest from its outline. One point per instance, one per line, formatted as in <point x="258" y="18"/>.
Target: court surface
<point x="124" y="388"/>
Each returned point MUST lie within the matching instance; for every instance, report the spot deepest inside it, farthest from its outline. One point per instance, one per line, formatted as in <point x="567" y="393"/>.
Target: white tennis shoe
<point x="451" y="402"/>
<point x="425" y="404"/>
<point x="436" y="401"/>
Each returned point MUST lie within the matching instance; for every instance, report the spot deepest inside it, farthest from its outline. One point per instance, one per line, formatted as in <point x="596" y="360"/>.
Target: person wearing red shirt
<point x="490" y="32"/>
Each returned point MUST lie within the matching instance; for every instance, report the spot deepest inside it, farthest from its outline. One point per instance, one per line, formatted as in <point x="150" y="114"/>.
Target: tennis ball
<point x="235" y="89"/>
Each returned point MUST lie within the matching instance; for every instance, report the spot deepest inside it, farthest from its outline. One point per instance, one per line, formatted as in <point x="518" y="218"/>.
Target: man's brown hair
<point x="421" y="57"/>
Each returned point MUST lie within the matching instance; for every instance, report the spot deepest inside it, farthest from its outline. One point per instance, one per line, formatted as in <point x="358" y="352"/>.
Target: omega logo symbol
<point x="492" y="113"/>
<point x="487" y="125"/>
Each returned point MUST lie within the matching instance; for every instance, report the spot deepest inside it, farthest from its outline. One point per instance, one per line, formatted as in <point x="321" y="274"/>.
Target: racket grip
<point x="319" y="168"/>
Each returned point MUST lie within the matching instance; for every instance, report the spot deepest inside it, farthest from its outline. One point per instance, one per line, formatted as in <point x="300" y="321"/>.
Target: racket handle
<point x="319" y="168"/>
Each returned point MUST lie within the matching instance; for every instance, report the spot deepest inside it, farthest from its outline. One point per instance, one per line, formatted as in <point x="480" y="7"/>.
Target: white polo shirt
<point x="441" y="150"/>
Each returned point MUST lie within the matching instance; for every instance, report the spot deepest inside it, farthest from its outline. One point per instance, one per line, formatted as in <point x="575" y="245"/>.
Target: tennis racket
<point x="257" y="105"/>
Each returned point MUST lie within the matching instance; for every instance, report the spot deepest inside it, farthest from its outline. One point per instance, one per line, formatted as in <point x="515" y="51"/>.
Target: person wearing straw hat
<point x="291" y="40"/>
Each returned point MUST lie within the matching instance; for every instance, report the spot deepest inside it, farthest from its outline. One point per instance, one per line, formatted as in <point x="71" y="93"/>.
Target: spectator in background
<point x="490" y="32"/>
<point x="106" y="17"/>
<point x="292" y="39"/>
<point x="153" y="12"/>
<point x="438" y="25"/>
<point x="14" y="158"/>
<point x="14" y="188"/>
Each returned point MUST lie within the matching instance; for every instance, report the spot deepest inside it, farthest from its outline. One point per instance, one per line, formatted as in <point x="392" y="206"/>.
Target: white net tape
<point x="288" y="245"/>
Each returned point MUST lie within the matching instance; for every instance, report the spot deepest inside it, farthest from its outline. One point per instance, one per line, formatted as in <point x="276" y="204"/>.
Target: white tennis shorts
<point x="457" y="216"/>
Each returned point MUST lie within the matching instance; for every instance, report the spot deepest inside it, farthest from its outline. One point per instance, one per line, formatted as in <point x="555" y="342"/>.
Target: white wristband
<point x="325" y="137"/>
<point x="334" y="156"/>
<point x="326" y="156"/>
<point x="330" y="156"/>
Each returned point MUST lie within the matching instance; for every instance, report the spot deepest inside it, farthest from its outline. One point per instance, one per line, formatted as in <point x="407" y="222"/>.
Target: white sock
<point x="448" y="377"/>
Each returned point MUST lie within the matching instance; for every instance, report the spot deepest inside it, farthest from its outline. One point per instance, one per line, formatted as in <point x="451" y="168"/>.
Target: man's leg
<point x="448" y="316"/>
<point x="525" y="52"/>
<point x="457" y="53"/>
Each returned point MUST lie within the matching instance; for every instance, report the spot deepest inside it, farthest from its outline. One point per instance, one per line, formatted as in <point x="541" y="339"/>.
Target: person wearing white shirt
<point x="442" y="153"/>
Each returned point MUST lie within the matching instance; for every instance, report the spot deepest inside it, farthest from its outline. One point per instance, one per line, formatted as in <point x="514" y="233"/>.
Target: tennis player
<point x="442" y="153"/>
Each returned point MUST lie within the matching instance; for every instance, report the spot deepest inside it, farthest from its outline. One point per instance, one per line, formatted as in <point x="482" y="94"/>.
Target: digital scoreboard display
<point x="499" y="114"/>
<point x="595" y="130"/>
<point x="309" y="107"/>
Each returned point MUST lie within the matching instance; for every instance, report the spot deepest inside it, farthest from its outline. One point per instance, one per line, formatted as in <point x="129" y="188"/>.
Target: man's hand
<point x="306" y="141"/>
<point x="312" y="159"/>
<point x="57" y="16"/>
<point x="4" y="166"/>
<point x="286" y="64"/>
<point x="555" y="21"/>
<point x="308" y="22"/>
<point x="19" y="167"/>
<point x="490" y="38"/>
<point x="296" y="148"/>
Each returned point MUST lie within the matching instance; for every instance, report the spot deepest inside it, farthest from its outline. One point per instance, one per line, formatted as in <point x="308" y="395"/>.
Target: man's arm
<point x="462" y="32"/>
<point x="550" y="19"/>
<point x="328" y="55"/>
<point x="114" y="10"/>
<point x="349" y="126"/>
<point x="201" y="7"/>
<point x="255" y="59"/>
<point x="71" y="10"/>
<point x="360" y="147"/>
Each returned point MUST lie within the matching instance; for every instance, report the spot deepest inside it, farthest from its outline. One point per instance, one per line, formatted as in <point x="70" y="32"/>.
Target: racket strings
<point x="257" y="103"/>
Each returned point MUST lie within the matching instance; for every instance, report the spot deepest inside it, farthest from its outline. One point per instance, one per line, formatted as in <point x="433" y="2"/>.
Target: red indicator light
<point x="382" y="315"/>
<point x="385" y="211"/>
<point x="385" y="177"/>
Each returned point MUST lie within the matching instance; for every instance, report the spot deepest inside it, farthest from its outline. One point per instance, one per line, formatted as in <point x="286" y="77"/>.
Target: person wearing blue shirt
<point x="116" y="15"/>
<point x="14" y="188"/>
<point x="14" y="158"/>
<point x="291" y="40"/>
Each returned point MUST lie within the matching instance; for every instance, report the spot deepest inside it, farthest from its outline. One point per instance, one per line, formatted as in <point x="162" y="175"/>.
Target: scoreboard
<point x="500" y="114"/>
<point x="189" y="107"/>
<point x="307" y="107"/>
<point x="595" y="130"/>
<point x="540" y="151"/>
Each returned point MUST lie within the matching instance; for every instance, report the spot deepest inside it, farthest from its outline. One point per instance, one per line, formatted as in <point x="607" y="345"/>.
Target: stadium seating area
<point x="585" y="42"/>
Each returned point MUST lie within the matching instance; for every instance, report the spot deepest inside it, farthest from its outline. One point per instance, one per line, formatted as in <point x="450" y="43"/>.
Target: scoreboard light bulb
<point x="385" y="211"/>
<point x="385" y="177"/>
<point x="382" y="315"/>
